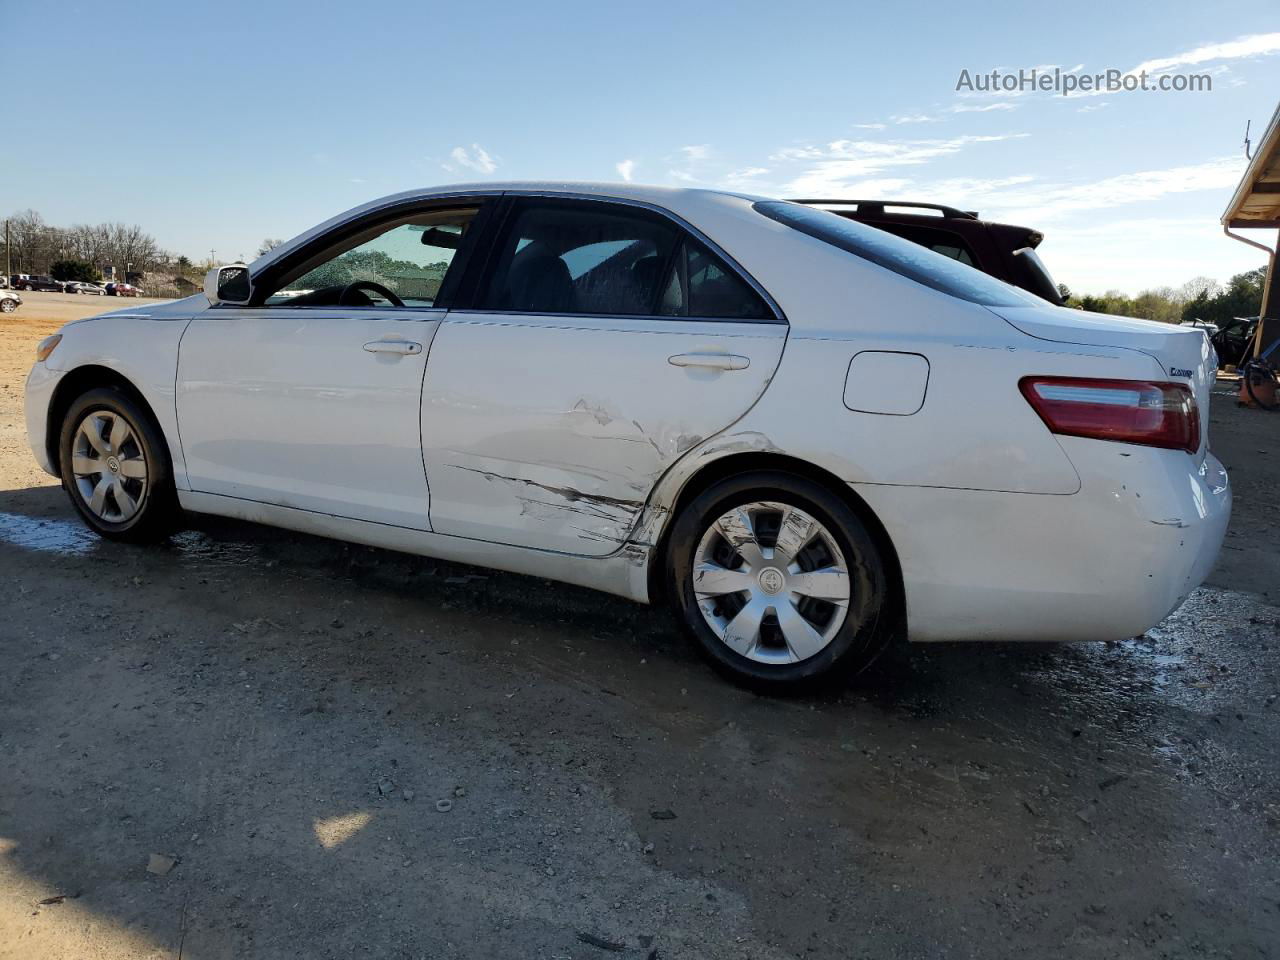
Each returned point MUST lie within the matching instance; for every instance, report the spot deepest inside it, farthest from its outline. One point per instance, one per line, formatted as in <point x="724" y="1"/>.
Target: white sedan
<point x="800" y="432"/>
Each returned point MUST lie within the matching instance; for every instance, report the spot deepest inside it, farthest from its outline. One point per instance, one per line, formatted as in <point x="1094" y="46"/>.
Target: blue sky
<point x="215" y="125"/>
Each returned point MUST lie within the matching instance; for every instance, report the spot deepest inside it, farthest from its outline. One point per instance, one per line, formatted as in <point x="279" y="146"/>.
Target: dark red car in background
<point x="1004" y="251"/>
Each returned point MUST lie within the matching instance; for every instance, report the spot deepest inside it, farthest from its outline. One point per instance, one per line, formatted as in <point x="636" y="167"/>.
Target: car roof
<point x="682" y="201"/>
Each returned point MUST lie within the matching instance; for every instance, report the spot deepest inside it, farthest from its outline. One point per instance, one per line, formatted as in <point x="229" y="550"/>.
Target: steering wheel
<point x="377" y="288"/>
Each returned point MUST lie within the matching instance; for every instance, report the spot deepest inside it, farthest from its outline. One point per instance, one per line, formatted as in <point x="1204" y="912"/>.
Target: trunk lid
<point x="1183" y="353"/>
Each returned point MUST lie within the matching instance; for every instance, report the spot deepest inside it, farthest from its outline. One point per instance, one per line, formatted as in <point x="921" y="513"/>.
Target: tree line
<point x="1200" y="299"/>
<point x="83" y="250"/>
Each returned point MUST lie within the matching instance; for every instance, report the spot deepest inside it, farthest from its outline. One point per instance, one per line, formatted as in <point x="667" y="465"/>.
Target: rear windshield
<point x="1040" y="277"/>
<point x="901" y="256"/>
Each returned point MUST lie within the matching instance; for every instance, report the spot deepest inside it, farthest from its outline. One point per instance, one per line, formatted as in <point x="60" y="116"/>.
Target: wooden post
<point x="1269" y="311"/>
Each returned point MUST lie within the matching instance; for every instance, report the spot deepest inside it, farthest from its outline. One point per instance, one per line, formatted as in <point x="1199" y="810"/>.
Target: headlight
<point x="47" y="346"/>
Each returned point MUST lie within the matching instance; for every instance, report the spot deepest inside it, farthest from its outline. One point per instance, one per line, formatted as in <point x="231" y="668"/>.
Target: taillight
<point x="1127" y="411"/>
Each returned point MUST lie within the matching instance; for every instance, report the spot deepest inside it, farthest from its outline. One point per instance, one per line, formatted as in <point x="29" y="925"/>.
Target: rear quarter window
<point x="903" y="257"/>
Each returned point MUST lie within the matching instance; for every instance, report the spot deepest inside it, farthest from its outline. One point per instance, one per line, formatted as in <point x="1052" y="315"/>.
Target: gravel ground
<point x="251" y="743"/>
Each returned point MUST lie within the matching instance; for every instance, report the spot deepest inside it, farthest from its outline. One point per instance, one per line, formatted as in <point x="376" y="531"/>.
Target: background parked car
<point x="1003" y="250"/>
<point x="9" y="301"/>
<point x="35" y="282"/>
<point x="1234" y="339"/>
<point x="82" y="286"/>
<point x="122" y="290"/>
<point x="1209" y="328"/>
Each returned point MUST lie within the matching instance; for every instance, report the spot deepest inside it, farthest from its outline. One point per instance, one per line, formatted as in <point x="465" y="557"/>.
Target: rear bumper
<point x="41" y="382"/>
<point x="1105" y="563"/>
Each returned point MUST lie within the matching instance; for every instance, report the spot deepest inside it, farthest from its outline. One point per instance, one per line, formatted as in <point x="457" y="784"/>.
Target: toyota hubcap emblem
<point x="771" y="580"/>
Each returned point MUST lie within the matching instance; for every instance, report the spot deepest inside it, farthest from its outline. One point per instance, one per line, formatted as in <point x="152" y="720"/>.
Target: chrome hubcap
<point x="109" y="466"/>
<point x="771" y="582"/>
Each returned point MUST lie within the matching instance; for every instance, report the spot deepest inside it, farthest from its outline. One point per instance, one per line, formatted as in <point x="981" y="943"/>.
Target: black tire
<point x="866" y="627"/>
<point x="157" y="507"/>
<point x="7" y="306"/>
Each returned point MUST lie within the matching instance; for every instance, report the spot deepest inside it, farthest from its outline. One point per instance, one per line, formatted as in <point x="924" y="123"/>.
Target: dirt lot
<point x="350" y="752"/>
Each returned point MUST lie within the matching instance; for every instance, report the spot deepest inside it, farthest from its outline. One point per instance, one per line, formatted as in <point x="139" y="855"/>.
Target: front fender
<point x="138" y="349"/>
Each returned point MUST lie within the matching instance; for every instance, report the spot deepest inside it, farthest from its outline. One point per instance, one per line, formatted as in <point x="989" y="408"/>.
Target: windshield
<point x="894" y="253"/>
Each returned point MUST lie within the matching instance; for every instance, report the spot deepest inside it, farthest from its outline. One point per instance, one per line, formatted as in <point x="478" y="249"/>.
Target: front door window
<point x="401" y="265"/>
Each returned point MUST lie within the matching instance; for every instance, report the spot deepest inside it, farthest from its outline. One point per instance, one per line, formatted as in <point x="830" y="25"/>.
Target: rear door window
<point x="579" y="257"/>
<point x="600" y="258"/>
<point x="700" y="284"/>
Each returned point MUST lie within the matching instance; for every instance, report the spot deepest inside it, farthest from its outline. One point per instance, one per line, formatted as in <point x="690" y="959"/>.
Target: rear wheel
<point x="8" y="306"/>
<point x="778" y="580"/>
<point x="115" y="466"/>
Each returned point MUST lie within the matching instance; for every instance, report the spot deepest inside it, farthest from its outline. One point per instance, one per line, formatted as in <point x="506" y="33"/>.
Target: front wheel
<point x="779" y="581"/>
<point x="115" y="466"/>
<point x="8" y="306"/>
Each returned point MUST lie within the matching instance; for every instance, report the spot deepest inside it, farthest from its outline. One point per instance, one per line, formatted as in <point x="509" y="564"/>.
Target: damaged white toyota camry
<point x="798" y="431"/>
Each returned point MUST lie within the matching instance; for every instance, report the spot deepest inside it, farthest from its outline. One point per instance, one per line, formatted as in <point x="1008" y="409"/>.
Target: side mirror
<point x="228" y="284"/>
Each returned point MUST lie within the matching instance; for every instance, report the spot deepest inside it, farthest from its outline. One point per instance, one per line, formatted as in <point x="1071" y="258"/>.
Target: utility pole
<point x="8" y="253"/>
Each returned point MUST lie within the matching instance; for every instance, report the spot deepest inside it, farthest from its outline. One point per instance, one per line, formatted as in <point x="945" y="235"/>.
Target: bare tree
<point x="267" y="245"/>
<point x="1199" y="285"/>
<point x="129" y="247"/>
<point x="89" y="242"/>
<point x="28" y="234"/>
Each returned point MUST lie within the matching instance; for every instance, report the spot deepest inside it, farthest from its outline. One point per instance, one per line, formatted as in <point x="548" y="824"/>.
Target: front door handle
<point x="405" y="348"/>
<point x="711" y="361"/>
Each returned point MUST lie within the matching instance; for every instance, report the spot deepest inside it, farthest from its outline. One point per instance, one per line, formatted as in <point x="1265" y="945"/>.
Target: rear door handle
<point x="710" y="361"/>
<point x="406" y="348"/>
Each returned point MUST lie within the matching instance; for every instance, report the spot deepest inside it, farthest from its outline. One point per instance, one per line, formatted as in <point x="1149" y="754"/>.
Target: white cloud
<point x="625" y="169"/>
<point x="797" y="153"/>
<point x="956" y="189"/>
<point x="983" y="108"/>
<point x="1094" y="107"/>
<point x="868" y="126"/>
<point x="844" y="161"/>
<point x="913" y="118"/>
<point x="1252" y="45"/>
<point x="745" y="178"/>
<point x="689" y="165"/>
<point x="477" y="158"/>
<point x="872" y="189"/>
<point x="1135" y="254"/>
<point x="1053" y="201"/>
<point x="1036" y="202"/>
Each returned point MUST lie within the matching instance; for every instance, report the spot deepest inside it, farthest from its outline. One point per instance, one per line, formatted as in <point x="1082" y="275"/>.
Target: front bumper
<point x="41" y="383"/>
<point x="1105" y="563"/>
